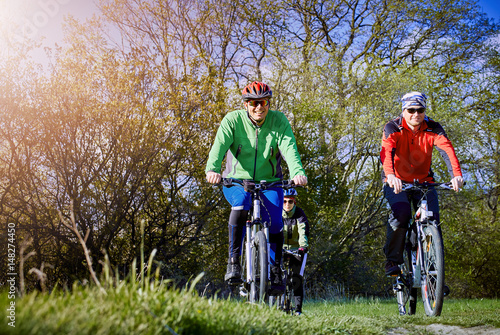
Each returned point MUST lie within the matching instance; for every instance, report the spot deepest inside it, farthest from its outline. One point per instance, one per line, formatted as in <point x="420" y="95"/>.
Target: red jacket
<point x="409" y="155"/>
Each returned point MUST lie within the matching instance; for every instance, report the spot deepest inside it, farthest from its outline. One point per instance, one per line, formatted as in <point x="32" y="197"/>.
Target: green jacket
<point x="295" y="229"/>
<point x="253" y="152"/>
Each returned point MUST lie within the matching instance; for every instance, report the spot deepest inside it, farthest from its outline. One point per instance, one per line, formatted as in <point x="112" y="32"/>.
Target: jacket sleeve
<point x="222" y="143"/>
<point x="303" y="227"/>
<point x="288" y="147"/>
<point x="389" y="144"/>
<point x="445" y="148"/>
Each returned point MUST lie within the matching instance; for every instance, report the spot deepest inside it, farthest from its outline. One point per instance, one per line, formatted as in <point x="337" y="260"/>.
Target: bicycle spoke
<point x="433" y="271"/>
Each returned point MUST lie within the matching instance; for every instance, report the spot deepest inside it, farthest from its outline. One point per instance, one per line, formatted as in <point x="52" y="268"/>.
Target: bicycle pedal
<point x="234" y="281"/>
<point x="243" y="292"/>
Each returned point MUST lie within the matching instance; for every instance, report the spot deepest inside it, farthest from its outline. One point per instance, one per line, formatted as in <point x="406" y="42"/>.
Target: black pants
<point x="400" y="217"/>
<point x="297" y="282"/>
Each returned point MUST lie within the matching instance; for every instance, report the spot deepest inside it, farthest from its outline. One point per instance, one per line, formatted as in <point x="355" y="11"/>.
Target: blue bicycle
<point x="255" y="264"/>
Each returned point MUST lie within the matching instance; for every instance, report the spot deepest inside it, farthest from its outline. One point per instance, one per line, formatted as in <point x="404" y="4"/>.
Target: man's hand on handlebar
<point x="457" y="182"/>
<point x="214" y="177"/>
<point x="395" y="183"/>
<point x="300" y="180"/>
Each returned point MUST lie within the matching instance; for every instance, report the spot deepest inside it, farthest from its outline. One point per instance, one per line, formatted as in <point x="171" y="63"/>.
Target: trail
<point x="449" y="330"/>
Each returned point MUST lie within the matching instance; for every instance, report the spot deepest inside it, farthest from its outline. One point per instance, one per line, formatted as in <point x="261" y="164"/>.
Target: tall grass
<point x="142" y="303"/>
<point x="130" y="308"/>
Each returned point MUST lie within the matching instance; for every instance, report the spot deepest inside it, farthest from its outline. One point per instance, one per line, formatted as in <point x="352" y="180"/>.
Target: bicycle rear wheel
<point x="405" y="292"/>
<point x="279" y="300"/>
<point x="259" y="281"/>
<point x="288" y="295"/>
<point x="432" y="271"/>
<point x="412" y="304"/>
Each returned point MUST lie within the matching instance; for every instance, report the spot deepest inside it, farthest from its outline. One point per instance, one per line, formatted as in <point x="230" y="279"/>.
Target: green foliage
<point x="116" y="132"/>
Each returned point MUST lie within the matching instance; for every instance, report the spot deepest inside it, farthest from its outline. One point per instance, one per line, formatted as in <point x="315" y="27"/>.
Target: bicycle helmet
<point x="416" y="99"/>
<point x="256" y="90"/>
<point x="291" y="192"/>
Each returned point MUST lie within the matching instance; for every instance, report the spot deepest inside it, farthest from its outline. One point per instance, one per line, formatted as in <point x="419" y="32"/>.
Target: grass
<point x="374" y="316"/>
<point x="143" y="305"/>
<point x="130" y="308"/>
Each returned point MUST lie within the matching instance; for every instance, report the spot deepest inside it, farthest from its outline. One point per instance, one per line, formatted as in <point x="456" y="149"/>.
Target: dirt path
<point x="449" y="330"/>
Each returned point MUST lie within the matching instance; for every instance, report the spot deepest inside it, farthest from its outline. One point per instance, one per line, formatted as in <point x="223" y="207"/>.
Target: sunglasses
<point x="255" y="103"/>
<point x="288" y="201"/>
<point x="418" y="110"/>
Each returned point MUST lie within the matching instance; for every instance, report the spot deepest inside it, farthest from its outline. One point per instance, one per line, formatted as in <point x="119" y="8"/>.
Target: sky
<point x="492" y="8"/>
<point x="37" y="18"/>
<point x="40" y="18"/>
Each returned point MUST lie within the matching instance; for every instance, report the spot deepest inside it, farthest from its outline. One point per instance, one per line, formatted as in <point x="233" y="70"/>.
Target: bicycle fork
<point x="248" y="251"/>
<point x="251" y="233"/>
<point x="265" y="229"/>
<point x="422" y="215"/>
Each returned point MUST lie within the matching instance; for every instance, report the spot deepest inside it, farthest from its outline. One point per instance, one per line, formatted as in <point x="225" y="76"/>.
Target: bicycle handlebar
<point x="426" y="185"/>
<point x="285" y="184"/>
<point x="291" y="252"/>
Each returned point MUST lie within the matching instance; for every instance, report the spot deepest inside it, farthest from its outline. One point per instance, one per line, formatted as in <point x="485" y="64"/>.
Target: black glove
<point x="302" y="251"/>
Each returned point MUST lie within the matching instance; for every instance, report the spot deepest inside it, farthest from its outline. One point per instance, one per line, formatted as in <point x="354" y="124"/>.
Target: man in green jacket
<point x="254" y="140"/>
<point x="296" y="233"/>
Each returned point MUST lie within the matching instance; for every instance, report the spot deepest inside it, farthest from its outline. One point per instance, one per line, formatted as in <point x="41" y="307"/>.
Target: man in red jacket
<point x="406" y="156"/>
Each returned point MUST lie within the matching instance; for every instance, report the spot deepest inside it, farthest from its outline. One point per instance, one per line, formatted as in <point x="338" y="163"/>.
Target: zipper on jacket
<point x="256" y="147"/>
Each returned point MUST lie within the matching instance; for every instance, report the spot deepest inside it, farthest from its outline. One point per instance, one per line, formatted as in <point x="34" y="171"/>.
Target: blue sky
<point x="491" y="8"/>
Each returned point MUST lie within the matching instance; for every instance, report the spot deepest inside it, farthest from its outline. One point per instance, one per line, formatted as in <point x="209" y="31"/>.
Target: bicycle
<point x="286" y="300"/>
<point x="255" y="265"/>
<point x="423" y="264"/>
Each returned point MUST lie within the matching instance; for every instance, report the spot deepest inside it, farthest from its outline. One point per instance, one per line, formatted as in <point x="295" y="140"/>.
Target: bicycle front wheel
<point x="432" y="271"/>
<point x="259" y="282"/>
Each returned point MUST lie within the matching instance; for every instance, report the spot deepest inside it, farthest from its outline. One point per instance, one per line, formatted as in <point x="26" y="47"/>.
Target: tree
<point x="118" y="129"/>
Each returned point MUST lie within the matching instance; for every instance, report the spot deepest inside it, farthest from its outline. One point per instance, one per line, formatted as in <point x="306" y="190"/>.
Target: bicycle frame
<point x="285" y="301"/>
<point x="257" y="235"/>
<point x="415" y="272"/>
<point x="421" y="218"/>
<point x="252" y="227"/>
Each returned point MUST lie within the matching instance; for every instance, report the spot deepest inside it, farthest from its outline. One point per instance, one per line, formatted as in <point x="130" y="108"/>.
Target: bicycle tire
<point x="404" y="285"/>
<point x="259" y="282"/>
<point x="412" y="292"/>
<point x="432" y="271"/>
<point x="274" y="302"/>
<point x="289" y="293"/>
<point x="280" y="299"/>
<point x="412" y="305"/>
<point x="285" y="297"/>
